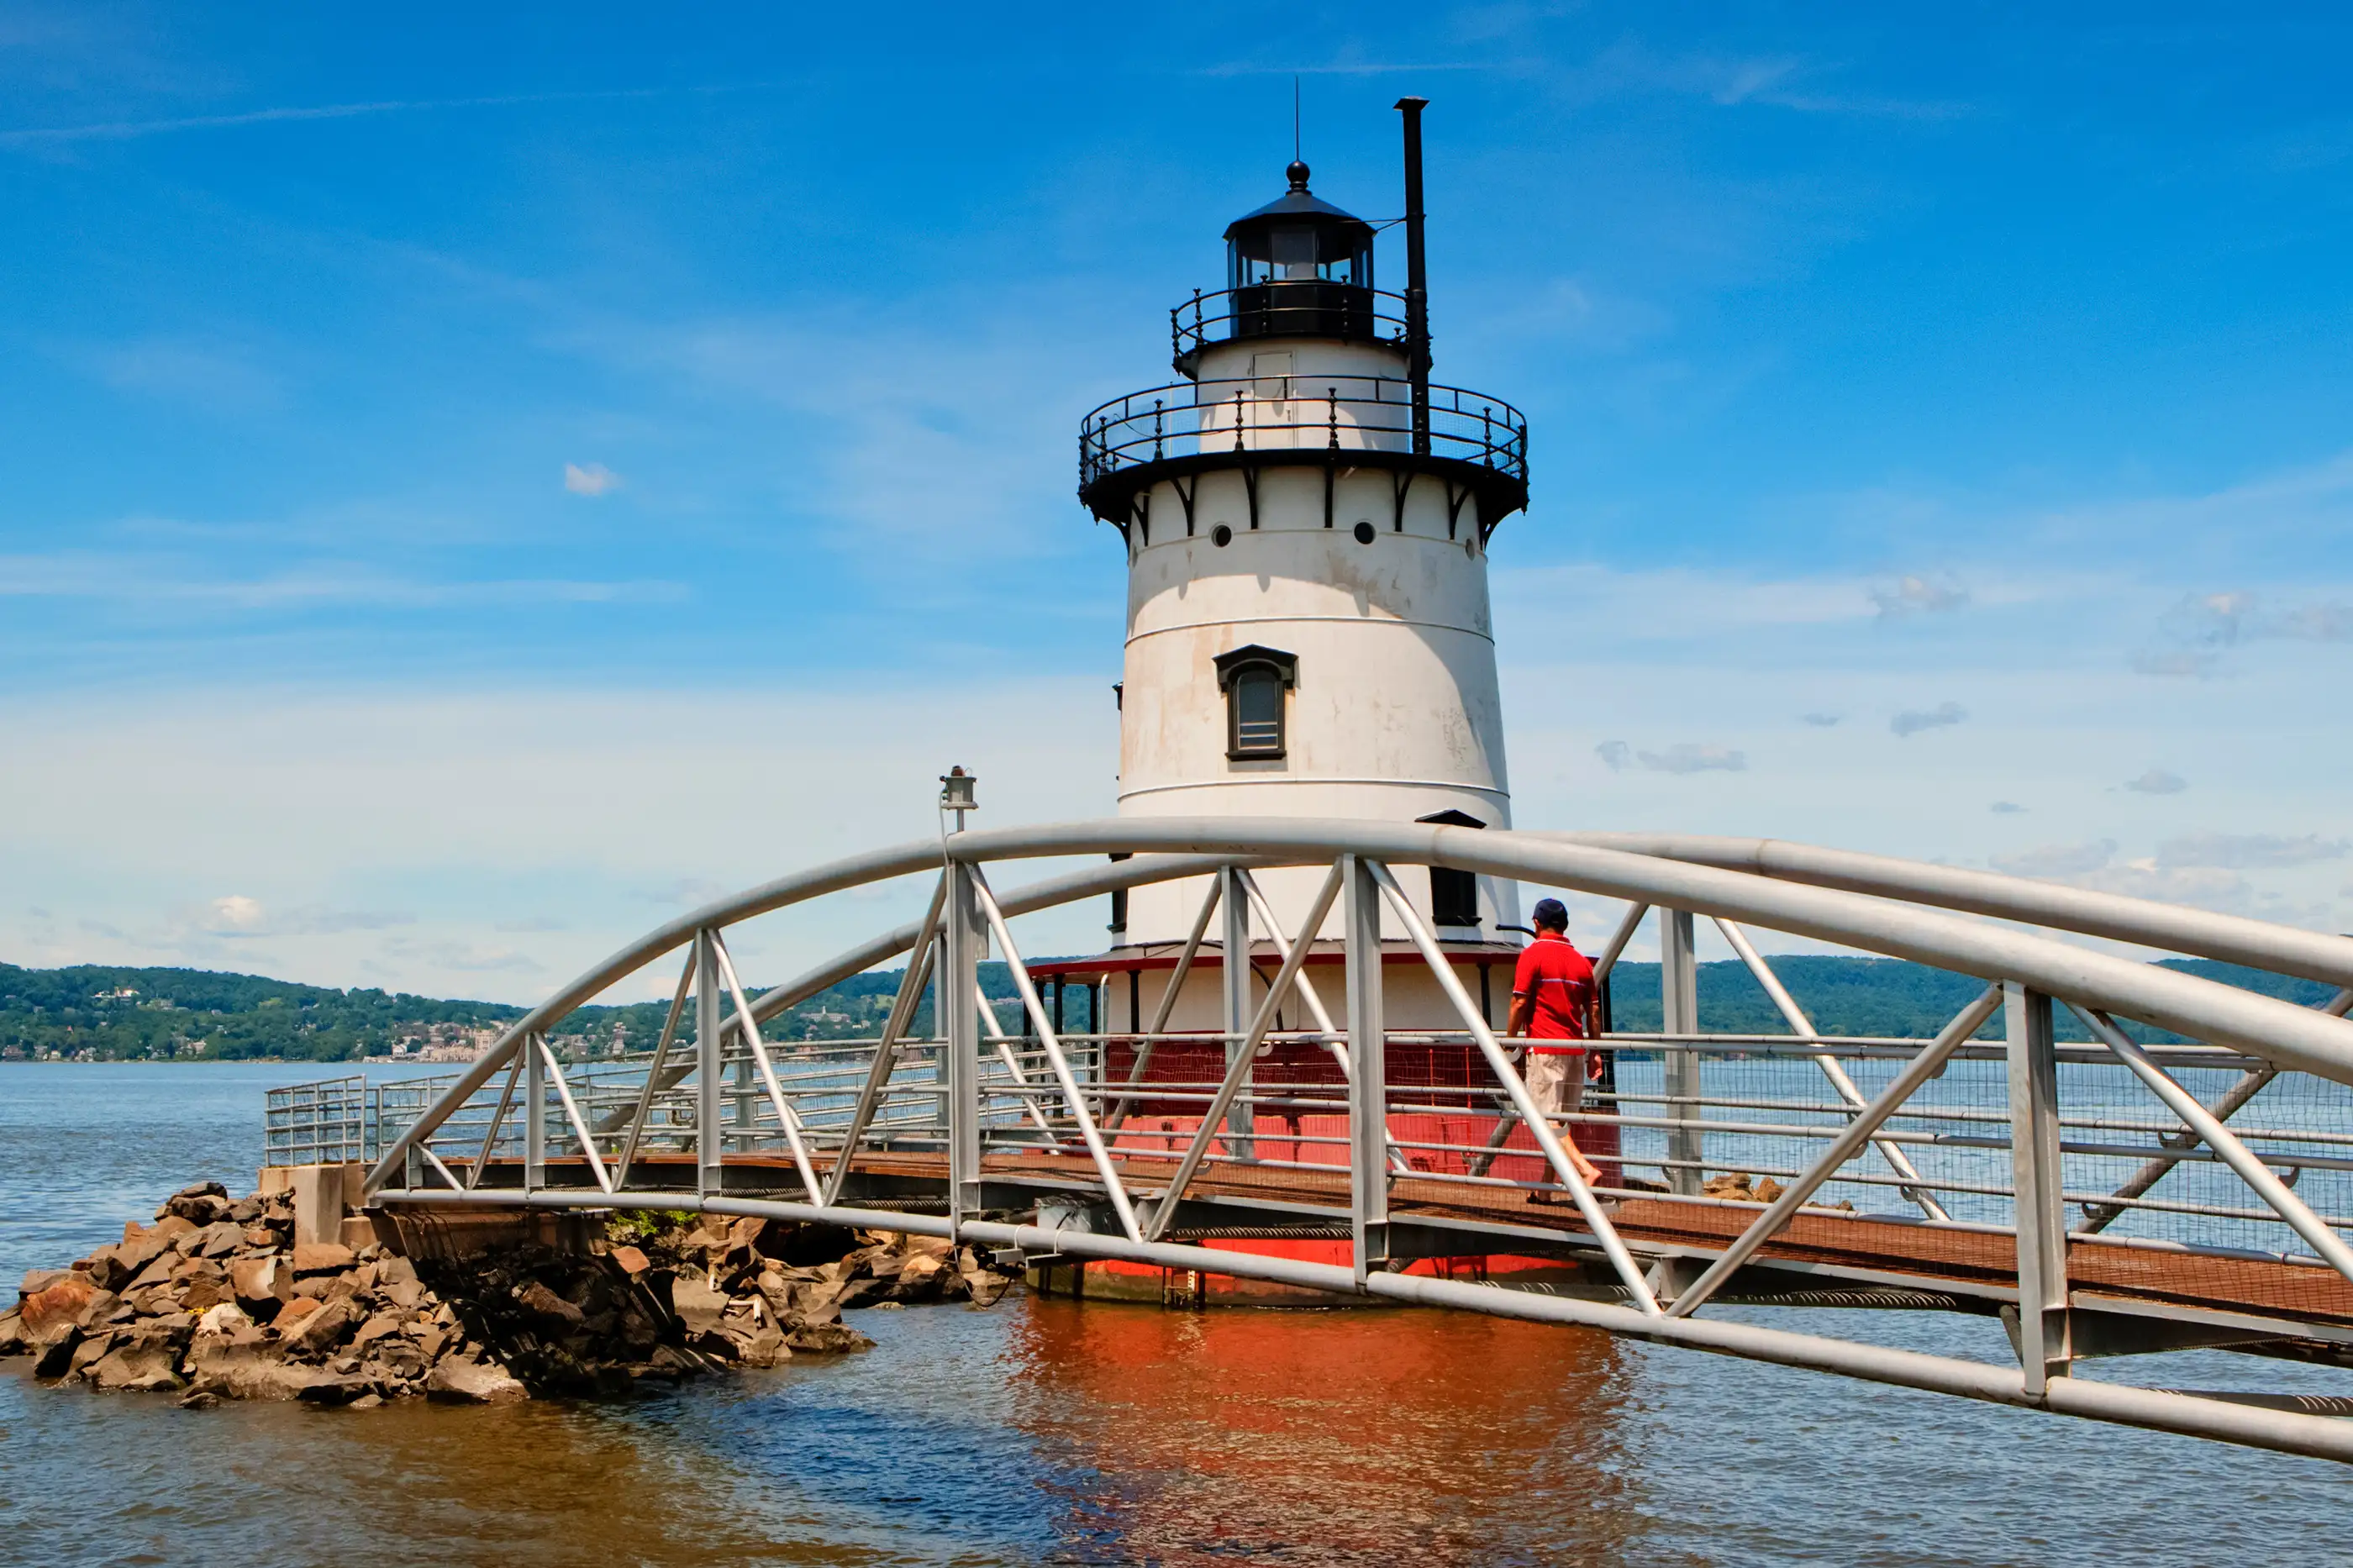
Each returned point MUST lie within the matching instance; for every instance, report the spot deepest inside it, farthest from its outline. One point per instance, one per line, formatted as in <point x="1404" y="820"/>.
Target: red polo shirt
<point x="1552" y="971"/>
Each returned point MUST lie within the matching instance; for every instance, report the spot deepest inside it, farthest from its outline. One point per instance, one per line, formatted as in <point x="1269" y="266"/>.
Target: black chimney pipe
<point x="1416" y="276"/>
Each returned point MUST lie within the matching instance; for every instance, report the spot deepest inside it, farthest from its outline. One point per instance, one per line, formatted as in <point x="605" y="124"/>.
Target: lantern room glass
<point x="1301" y="252"/>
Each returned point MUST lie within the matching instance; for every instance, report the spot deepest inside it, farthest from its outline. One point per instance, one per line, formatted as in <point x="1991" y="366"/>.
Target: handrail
<point x="1298" y="411"/>
<point x="2272" y="1029"/>
<point x="1315" y="297"/>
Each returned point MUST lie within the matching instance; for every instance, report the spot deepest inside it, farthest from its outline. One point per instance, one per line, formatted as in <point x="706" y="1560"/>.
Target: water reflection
<point x="1360" y="1435"/>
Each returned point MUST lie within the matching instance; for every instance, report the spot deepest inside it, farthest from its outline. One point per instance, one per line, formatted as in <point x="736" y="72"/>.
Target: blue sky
<point x="474" y="484"/>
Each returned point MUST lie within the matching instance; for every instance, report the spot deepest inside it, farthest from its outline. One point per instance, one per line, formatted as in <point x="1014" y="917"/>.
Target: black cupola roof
<point x="1297" y="236"/>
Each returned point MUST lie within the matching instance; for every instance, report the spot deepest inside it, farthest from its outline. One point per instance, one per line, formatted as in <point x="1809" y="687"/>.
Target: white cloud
<point x="161" y="579"/>
<point x="1912" y="720"/>
<point x="2158" y="781"/>
<point x="386" y="839"/>
<point x="237" y="915"/>
<point x="1690" y="757"/>
<point x="1919" y="595"/>
<point x="2192" y="633"/>
<point x="1823" y="721"/>
<point x="2248" y="851"/>
<point x="2005" y="808"/>
<point x="594" y="480"/>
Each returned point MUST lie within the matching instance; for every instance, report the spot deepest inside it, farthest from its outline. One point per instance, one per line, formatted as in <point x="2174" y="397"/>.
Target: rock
<point x="986" y="1289"/>
<point x="827" y="1339"/>
<point x="171" y="1227"/>
<point x="324" y="1330"/>
<point x="245" y="1211"/>
<point x="757" y="1343"/>
<point x="50" y="1312"/>
<point x="552" y="1311"/>
<point x="37" y="1280"/>
<point x="382" y="1326"/>
<point x="157" y="1272"/>
<point x="92" y="1349"/>
<point x="197" y="1208"/>
<point x="1768" y="1189"/>
<point x="12" y="1333"/>
<point x="406" y="1294"/>
<point x="261" y="1285"/>
<point x="195" y="1267"/>
<point x="365" y="1402"/>
<point x="202" y="1295"/>
<point x="458" y="1382"/>
<point x="630" y="1261"/>
<point x="396" y="1271"/>
<point x="321" y="1257"/>
<point x="200" y="1400"/>
<point x="222" y="1239"/>
<point x="259" y="1238"/>
<point x="144" y="1368"/>
<point x="224" y="1319"/>
<point x="200" y="1190"/>
<point x="296" y="1311"/>
<point x="696" y="1304"/>
<point x="919" y="1271"/>
<point x="234" y="1371"/>
<point x="57" y="1355"/>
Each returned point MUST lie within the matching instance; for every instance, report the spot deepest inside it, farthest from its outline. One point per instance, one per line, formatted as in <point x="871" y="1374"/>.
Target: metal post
<point x="710" y="1141"/>
<point x="1679" y="1014"/>
<point x="534" y="1117"/>
<point x="1238" y="1010"/>
<point x="1416" y="276"/>
<point x="1368" y="1143"/>
<point x="962" y="939"/>
<point x="2043" y="1350"/>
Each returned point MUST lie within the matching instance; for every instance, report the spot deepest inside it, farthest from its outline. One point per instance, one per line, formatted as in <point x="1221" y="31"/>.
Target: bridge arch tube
<point x="2263" y="1026"/>
<point x="838" y="876"/>
<point x="2234" y="938"/>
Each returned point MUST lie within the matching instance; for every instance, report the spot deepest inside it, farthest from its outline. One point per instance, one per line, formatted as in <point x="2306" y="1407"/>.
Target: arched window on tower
<point x="1256" y="681"/>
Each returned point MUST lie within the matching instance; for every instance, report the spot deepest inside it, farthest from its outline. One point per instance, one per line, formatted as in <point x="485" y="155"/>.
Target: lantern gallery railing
<point x="1293" y="308"/>
<point x="2115" y="1157"/>
<point x="1347" y="414"/>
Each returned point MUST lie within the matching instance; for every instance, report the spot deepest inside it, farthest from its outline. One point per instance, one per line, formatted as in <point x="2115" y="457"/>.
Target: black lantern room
<point x="1300" y="267"/>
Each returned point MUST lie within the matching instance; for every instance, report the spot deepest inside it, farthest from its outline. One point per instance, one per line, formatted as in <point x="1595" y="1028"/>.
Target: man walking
<point x="1552" y="1008"/>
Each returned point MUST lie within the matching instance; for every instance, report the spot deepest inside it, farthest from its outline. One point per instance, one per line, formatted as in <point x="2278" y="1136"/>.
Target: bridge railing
<point x="2081" y="1116"/>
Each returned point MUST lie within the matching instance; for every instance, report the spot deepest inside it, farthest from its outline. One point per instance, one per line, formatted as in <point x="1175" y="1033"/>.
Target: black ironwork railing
<point x="1286" y="308"/>
<point x="1292" y="413"/>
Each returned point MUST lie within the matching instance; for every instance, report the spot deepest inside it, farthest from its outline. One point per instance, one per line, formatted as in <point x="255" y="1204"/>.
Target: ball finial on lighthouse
<point x="1306" y="521"/>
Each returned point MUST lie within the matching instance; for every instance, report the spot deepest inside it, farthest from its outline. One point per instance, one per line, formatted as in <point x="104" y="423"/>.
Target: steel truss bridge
<point x="2175" y="1173"/>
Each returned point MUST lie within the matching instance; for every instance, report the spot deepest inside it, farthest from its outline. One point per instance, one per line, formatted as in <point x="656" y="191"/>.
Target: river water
<point x="1053" y="1432"/>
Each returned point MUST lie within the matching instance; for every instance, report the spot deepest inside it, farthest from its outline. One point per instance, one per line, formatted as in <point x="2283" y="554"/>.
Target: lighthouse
<point x="1306" y="518"/>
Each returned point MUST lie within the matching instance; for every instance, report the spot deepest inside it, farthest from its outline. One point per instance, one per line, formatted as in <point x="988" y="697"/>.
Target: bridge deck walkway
<point x="1502" y="1220"/>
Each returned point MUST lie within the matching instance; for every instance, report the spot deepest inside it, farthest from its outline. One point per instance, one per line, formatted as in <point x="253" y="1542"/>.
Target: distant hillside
<point x="1877" y="995"/>
<point x="101" y="1013"/>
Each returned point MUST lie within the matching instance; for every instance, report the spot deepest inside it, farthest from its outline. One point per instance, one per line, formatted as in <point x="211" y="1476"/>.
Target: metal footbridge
<point x="2112" y="1156"/>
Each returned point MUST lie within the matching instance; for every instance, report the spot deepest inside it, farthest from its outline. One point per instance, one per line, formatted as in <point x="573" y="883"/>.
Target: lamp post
<point x="955" y="794"/>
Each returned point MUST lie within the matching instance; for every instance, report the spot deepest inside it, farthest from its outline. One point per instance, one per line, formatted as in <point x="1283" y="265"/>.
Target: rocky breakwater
<point x="216" y="1300"/>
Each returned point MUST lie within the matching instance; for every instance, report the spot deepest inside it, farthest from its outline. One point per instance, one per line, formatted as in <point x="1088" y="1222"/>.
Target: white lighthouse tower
<point x="1306" y="520"/>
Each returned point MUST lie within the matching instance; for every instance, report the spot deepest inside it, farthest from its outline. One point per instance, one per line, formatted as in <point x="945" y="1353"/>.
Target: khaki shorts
<point x="1557" y="1080"/>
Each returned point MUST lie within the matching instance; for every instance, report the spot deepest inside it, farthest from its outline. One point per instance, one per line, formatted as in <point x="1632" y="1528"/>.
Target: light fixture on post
<point x="955" y="794"/>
